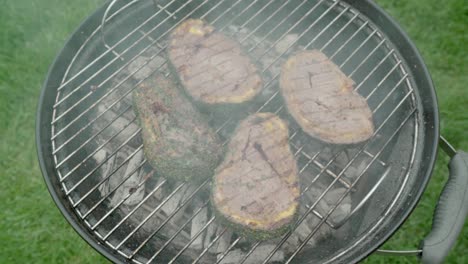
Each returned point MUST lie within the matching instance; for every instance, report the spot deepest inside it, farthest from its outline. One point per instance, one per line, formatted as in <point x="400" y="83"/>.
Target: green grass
<point x="32" y="230"/>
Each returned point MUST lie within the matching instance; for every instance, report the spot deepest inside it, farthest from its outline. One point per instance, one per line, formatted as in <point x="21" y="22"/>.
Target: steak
<point x="322" y="100"/>
<point x="177" y="140"/>
<point x="211" y="67"/>
<point x="256" y="188"/>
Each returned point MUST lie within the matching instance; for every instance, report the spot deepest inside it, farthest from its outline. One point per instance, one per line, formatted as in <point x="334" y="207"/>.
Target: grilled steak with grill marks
<point x="256" y="188"/>
<point x="211" y="67"/>
<point x="177" y="140"/>
<point x="321" y="99"/>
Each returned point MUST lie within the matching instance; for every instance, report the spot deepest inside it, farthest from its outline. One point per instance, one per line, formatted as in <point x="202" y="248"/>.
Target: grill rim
<point x="427" y="109"/>
<point x="43" y="131"/>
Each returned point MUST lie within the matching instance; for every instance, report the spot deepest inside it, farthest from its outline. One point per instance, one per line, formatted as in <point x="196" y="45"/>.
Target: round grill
<point x="346" y="191"/>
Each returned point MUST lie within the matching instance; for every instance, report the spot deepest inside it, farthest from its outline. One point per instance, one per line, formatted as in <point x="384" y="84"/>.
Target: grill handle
<point x="451" y="210"/>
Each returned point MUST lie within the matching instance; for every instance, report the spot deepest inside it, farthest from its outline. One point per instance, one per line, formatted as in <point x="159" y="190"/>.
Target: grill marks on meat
<point x="321" y="99"/>
<point x="177" y="141"/>
<point x="211" y="67"/>
<point x="256" y="188"/>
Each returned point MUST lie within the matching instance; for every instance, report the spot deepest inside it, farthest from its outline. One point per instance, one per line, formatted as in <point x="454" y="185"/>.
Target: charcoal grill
<point x="353" y="197"/>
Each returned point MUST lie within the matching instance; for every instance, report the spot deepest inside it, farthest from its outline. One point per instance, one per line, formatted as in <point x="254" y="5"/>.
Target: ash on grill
<point x="134" y="185"/>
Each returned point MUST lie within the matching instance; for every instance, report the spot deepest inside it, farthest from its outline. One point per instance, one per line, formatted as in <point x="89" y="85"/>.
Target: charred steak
<point x="256" y="188"/>
<point x="177" y="141"/>
<point x="321" y="99"/>
<point x="211" y="67"/>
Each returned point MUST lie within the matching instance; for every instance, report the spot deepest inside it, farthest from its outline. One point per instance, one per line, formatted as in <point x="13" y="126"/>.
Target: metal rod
<point x="447" y="147"/>
<point x="213" y="8"/>
<point x="322" y="167"/>
<point x="104" y="197"/>
<point x="252" y="249"/>
<point x="300" y="35"/>
<point x="178" y="232"/>
<point x="59" y="164"/>
<point x="184" y="203"/>
<point x="398" y="253"/>
<point x="267" y="19"/>
<point x="312" y="159"/>
<point x="121" y="202"/>
<point x="96" y="150"/>
<point x="62" y="179"/>
<point x="210" y="245"/>
<point x="275" y="27"/>
<point x="124" y="199"/>
<point x="228" y="250"/>
<point x="104" y="20"/>
<point x="224" y="12"/>
<point x="150" y="194"/>
<point x="327" y="27"/>
<point x="358" y="48"/>
<point x="257" y="14"/>
<point x="94" y="105"/>
<point x="391" y="92"/>
<point x="93" y="136"/>
<point x="336" y="34"/>
<point x="372" y="155"/>
<point x="102" y="180"/>
<point x="366" y="197"/>
<point x="375" y="69"/>
<point x="349" y="39"/>
<point x="279" y="110"/>
<point x="382" y="81"/>
<point x="236" y="16"/>
<point x="193" y="239"/>
<point x="149" y="216"/>
<point x="367" y="57"/>
<point x="309" y="162"/>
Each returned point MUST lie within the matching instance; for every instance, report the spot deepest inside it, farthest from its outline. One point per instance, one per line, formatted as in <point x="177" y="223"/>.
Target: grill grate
<point x="92" y="125"/>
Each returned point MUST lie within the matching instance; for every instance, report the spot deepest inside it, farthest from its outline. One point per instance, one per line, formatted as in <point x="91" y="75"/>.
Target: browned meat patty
<point x="321" y="99"/>
<point x="211" y="67"/>
<point x="177" y="140"/>
<point x="256" y="188"/>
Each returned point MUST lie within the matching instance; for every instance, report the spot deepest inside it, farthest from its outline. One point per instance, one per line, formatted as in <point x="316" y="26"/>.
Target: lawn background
<point x="32" y="230"/>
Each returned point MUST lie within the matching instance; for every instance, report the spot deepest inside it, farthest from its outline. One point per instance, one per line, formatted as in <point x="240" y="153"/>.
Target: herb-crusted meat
<point x="211" y="67"/>
<point x="177" y="141"/>
<point x="256" y="188"/>
<point x="321" y="99"/>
